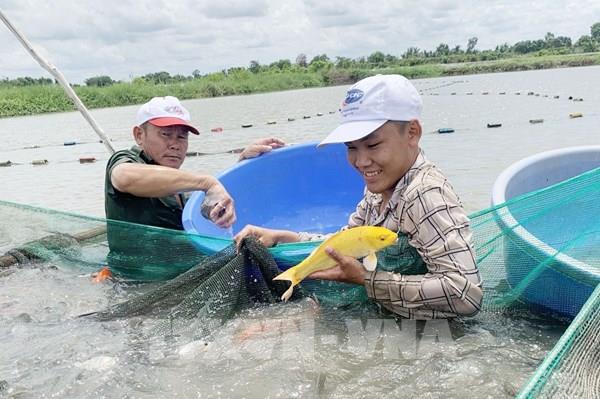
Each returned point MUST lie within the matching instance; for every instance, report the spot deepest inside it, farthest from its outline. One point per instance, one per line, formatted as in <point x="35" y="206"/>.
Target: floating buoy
<point x="246" y="125"/>
<point x="271" y="122"/>
<point x="536" y="121"/>
<point x="216" y="129"/>
<point x="556" y="96"/>
<point x="575" y="115"/>
<point x="291" y="119"/>
<point x="5" y="163"/>
<point x="87" y="160"/>
<point x="69" y="143"/>
<point x="39" y="162"/>
<point x="445" y="130"/>
<point x="570" y="97"/>
<point x="490" y="125"/>
<point x="191" y="153"/>
<point x="319" y="114"/>
<point x="306" y="117"/>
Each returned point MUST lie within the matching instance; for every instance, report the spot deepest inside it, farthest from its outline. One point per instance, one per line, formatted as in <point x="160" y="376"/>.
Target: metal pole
<point x="61" y="79"/>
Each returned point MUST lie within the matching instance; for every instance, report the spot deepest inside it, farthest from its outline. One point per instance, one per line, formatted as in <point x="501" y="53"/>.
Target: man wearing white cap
<point x="144" y="184"/>
<point x="432" y="272"/>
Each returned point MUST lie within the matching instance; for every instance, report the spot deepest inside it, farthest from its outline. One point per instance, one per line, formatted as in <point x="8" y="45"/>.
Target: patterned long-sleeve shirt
<point x="426" y="209"/>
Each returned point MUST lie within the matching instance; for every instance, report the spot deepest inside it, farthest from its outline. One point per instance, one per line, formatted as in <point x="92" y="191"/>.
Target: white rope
<point x="61" y="79"/>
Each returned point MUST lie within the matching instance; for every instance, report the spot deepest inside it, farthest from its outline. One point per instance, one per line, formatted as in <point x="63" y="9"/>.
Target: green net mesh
<point x="213" y="291"/>
<point x="537" y="253"/>
<point x="570" y="370"/>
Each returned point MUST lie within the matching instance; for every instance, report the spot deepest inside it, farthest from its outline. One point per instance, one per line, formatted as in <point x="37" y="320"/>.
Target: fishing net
<point x="540" y="251"/>
<point x="570" y="370"/>
<point x="537" y="253"/>
<point x="212" y="292"/>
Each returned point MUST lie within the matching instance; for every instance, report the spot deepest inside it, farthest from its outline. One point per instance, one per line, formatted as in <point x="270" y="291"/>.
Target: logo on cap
<point x="353" y="96"/>
<point x="174" y="109"/>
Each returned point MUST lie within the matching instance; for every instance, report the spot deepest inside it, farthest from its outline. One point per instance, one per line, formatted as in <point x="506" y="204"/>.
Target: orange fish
<point x="102" y="275"/>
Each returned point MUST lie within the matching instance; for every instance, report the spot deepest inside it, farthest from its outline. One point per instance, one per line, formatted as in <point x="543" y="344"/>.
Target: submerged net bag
<point x="539" y="253"/>
<point x="213" y="291"/>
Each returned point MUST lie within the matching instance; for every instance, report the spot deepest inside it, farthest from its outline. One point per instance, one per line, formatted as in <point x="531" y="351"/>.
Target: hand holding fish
<point x="347" y="269"/>
<point x="357" y="242"/>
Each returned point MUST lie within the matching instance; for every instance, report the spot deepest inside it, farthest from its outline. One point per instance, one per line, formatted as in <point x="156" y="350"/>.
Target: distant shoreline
<point x="39" y="99"/>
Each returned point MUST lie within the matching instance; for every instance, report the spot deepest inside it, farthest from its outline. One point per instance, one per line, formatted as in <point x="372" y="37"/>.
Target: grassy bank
<point x="28" y="100"/>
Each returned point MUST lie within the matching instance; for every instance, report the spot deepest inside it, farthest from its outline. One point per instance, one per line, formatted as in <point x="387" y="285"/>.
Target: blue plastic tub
<point x="298" y="188"/>
<point x="563" y="285"/>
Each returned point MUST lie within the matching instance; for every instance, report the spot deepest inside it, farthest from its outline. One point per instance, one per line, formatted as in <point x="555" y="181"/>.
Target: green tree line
<point x="24" y="96"/>
<point x="443" y="54"/>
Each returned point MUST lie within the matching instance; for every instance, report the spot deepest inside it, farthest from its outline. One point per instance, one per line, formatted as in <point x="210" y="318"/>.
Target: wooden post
<point x="61" y="79"/>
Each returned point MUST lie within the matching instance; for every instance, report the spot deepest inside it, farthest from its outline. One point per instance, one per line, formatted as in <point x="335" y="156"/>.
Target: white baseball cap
<point x="165" y="111"/>
<point x="372" y="102"/>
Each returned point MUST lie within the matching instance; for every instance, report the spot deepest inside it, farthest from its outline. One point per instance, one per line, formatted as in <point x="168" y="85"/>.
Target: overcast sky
<point x="129" y="38"/>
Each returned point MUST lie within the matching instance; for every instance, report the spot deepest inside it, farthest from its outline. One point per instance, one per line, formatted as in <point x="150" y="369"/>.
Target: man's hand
<point x="260" y="147"/>
<point x="222" y="213"/>
<point x="347" y="270"/>
<point x="267" y="237"/>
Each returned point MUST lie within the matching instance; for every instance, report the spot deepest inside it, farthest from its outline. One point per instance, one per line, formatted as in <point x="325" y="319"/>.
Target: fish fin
<point x="288" y="275"/>
<point x="288" y="293"/>
<point x="370" y="261"/>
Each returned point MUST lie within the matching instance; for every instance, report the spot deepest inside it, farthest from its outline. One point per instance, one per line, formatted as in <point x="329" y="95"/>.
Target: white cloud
<point x="133" y="37"/>
<point x="225" y="9"/>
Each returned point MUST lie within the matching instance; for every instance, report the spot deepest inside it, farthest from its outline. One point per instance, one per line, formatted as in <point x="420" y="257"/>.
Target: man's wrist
<point x="285" y="236"/>
<point x="207" y="182"/>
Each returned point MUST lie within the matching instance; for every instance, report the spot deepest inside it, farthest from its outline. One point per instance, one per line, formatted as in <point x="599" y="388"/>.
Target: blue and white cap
<point x="372" y="102"/>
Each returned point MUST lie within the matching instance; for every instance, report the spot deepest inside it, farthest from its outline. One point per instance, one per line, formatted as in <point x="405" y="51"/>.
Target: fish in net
<point x="213" y="291"/>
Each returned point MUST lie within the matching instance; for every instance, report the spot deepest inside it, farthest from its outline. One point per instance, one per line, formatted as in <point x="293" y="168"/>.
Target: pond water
<point x="291" y="350"/>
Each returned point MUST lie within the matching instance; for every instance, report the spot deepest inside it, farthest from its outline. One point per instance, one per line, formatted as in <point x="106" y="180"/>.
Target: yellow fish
<point x="358" y="242"/>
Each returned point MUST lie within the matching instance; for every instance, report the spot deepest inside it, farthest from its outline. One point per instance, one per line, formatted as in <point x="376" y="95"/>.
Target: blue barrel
<point x="539" y="266"/>
<point x="298" y="188"/>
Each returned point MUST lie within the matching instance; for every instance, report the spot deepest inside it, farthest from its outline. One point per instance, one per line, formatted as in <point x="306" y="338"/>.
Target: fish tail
<point x="288" y="275"/>
<point x="288" y="293"/>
